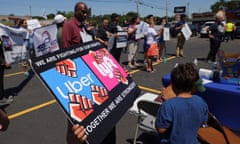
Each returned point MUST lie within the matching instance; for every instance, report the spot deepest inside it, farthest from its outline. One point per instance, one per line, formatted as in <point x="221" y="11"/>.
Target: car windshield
<point x="208" y="24"/>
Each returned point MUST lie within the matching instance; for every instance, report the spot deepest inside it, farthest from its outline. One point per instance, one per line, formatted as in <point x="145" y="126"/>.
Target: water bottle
<point x="216" y="73"/>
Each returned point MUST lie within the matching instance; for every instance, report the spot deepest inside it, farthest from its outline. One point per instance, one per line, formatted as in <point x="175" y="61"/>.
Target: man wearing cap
<point x="180" y="117"/>
<point x="215" y="33"/>
<point x="59" y="21"/>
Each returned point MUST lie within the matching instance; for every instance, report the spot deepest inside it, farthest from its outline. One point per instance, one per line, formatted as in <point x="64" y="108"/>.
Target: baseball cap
<point x="59" y="18"/>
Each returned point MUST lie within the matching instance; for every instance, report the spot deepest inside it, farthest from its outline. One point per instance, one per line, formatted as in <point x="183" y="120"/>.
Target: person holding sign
<point x="75" y="30"/>
<point x="113" y="29"/>
<point x="72" y="36"/>
<point x="180" y="36"/>
<point x="102" y="32"/>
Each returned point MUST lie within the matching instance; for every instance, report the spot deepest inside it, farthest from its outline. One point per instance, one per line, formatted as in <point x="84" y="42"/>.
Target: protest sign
<point x="186" y="31"/>
<point x="142" y="29"/>
<point x="45" y="39"/>
<point x="33" y="24"/>
<point x="90" y="86"/>
<point x="122" y="39"/>
<point x="13" y="44"/>
<point x="166" y="33"/>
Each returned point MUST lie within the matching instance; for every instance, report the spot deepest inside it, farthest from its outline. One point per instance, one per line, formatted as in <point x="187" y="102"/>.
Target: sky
<point x="101" y="7"/>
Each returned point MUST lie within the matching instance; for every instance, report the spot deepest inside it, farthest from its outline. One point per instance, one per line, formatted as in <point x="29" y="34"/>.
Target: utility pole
<point x="166" y="11"/>
<point x="30" y="8"/>
<point x="137" y="4"/>
<point x="188" y="12"/>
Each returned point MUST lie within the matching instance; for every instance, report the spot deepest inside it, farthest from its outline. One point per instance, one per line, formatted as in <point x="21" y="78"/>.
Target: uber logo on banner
<point x="91" y="87"/>
<point x="180" y="9"/>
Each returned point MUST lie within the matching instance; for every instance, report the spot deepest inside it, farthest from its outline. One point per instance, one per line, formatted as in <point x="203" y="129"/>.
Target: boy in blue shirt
<point x="179" y="118"/>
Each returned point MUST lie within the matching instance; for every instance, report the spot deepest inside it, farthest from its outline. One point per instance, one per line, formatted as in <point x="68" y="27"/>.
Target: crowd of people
<point x="172" y="126"/>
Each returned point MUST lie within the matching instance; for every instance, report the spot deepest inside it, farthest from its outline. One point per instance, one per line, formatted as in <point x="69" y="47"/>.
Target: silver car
<point x="205" y="26"/>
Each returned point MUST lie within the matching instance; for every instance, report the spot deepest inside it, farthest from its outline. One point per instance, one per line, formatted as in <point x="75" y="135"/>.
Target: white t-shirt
<point x="151" y="36"/>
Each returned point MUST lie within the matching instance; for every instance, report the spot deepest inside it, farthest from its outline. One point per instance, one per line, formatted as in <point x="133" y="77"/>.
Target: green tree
<point x="233" y="4"/>
<point x="51" y="16"/>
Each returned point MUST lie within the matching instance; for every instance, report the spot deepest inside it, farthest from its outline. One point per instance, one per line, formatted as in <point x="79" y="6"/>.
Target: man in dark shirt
<point x="102" y="32"/>
<point x="215" y="33"/>
<point x="113" y="29"/>
<point x="71" y="36"/>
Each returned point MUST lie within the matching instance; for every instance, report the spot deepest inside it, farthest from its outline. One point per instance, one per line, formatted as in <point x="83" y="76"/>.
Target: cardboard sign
<point x="90" y="86"/>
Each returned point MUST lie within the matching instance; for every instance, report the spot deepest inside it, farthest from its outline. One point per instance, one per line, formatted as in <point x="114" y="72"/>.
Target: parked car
<point x="205" y="26"/>
<point x="193" y="29"/>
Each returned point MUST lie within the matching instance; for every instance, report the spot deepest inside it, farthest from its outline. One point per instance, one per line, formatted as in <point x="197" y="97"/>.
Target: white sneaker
<point x="137" y="64"/>
<point x="131" y="66"/>
<point x="6" y="101"/>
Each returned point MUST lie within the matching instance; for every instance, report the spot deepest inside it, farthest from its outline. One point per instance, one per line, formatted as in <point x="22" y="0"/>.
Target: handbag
<point x="153" y="50"/>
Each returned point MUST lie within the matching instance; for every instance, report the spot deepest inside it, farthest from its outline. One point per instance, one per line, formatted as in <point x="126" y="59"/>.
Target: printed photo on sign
<point x="106" y="68"/>
<point x="45" y="40"/>
<point x="76" y="87"/>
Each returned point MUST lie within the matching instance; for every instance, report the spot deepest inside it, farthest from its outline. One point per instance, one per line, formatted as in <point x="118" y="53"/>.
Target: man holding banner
<point x="71" y="37"/>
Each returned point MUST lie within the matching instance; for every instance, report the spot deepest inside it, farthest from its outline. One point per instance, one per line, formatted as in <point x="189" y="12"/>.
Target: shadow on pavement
<point x="15" y="90"/>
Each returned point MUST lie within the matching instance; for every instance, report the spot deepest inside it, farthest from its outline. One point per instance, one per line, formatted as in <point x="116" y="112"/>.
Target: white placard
<point x="186" y="31"/>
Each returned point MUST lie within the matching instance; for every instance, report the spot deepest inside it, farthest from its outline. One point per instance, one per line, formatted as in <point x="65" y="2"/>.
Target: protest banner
<point x="90" y="86"/>
<point x="13" y="44"/>
<point x="45" y="39"/>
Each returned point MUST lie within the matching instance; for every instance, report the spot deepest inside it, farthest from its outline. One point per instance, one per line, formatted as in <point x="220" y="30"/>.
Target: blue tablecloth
<point x="223" y="101"/>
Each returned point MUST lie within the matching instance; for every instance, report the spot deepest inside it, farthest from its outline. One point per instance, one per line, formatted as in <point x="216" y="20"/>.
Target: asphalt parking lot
<point x="36" y="117"/>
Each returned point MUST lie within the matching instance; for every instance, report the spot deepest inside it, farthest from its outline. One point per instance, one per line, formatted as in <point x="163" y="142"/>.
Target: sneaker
<point x="6" y="101"/>
<point x="131" y="66"/>
<point x="137" y="64"/>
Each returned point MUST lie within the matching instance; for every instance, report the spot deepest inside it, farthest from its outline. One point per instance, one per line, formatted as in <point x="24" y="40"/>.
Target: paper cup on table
<point x="205" y="73"/>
